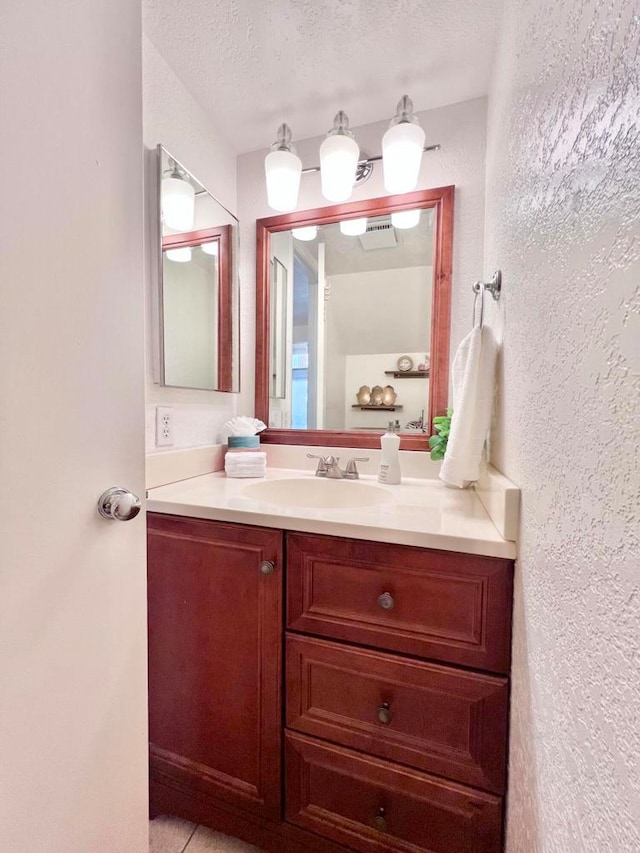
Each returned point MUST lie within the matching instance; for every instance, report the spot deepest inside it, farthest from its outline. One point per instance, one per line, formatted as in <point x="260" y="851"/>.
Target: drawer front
<point x="435" y="718"/>
<point x="434" y="604"/>
<point x="373" y="806"/>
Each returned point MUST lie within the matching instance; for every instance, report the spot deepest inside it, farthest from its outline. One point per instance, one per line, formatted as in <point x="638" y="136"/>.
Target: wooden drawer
<point x="436" y="718"/>
<point x="373" y="806"/>
<point x="448" y="606"/>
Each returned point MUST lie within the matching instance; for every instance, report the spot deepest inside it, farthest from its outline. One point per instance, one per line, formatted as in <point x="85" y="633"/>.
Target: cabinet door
<point x="215" y="631"/>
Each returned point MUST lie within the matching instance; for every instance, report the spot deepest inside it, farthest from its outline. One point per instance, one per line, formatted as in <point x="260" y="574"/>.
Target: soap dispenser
<point x="390" y="459"/>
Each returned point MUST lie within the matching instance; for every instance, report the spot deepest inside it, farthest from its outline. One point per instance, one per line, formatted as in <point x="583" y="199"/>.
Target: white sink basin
<point x="317" y="493"/>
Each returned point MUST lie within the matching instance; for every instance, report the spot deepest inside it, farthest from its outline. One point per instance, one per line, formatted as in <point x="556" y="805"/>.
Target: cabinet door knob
<point x="384" y="714"/>
<point x="267" y="567"/>
<point x="380" y="821"/>
<point x="385" y="601"/>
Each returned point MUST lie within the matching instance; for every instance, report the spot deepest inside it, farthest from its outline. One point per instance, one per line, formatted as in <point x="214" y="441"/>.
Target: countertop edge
<point x="504" y="549"/>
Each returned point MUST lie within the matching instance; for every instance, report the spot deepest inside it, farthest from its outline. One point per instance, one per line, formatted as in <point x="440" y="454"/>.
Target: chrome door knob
<point x="119" y="504"/>
<point x="267" y="567"/>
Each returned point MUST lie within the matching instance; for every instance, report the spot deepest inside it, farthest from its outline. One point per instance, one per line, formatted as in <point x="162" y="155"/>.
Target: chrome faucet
<point x="329" y="466"/>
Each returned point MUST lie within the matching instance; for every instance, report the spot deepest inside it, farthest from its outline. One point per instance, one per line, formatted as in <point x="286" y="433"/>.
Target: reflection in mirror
<point x="279" y="341"/>
<point x="364" y="339"/>
<point x="361" y="301"/>
<point x="198" y="284"/>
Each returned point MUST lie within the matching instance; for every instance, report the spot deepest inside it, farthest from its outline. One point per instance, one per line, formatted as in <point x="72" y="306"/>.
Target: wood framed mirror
<point x="198" y="297"/>
<point x="362" y="317"/>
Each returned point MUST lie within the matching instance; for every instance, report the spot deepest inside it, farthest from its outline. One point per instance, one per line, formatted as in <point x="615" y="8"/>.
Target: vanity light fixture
<point x="178" y="199"/>
<point x="403" y="219"/>
<point x="181" y="255"/>
<point x="282" y="168"/>
<point x="307" y="233"/>
<point x="339" y="154"/>
<point x="402" y="147"/>
<point x="210" y="248"/>
<point x="353" y="227"/>
<point x="340" y="169"/>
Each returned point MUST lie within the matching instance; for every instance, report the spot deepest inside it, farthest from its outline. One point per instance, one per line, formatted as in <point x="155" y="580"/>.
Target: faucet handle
<point x="321" y="470"/>
<point x="351" y="471"/>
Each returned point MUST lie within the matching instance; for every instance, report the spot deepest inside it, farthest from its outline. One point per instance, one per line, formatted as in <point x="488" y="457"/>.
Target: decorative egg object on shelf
<point x="388" y="395"/>
<point x="364" y="395"/>
<point x="404" y="363"/>
<point x="377" y="395"/>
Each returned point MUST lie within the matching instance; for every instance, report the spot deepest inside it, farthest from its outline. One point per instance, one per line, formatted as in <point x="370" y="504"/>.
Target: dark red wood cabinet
<point x="214" y="660"/>
<point x="314" y="693"/>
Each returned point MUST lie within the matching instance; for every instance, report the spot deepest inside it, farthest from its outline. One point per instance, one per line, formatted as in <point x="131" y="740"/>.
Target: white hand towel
<point x="472" y="381"/>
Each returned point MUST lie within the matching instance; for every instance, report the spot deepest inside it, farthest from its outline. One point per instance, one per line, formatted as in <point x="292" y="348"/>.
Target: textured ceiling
<point x="255" y="63"/>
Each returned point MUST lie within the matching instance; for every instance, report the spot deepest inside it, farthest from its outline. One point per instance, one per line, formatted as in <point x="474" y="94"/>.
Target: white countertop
<point x="421" y="512"/>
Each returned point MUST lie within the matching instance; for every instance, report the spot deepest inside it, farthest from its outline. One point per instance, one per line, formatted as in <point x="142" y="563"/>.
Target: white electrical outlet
<point x="164" y="426"/>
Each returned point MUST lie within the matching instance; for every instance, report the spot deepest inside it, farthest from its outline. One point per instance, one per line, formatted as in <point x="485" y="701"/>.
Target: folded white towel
<point x="472" y="381"/>
<point x="249" y="464"/>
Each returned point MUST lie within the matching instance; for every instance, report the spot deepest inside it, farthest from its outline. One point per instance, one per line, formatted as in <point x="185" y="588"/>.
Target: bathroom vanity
<point x="316" y="692"/>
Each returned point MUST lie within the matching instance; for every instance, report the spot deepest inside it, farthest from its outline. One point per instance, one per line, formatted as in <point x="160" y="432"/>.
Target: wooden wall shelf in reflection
<point x="401" y="374"/>
<point x="375" y="408"/>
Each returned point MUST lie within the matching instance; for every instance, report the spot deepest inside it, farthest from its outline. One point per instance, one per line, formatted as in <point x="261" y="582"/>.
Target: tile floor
<point x="172" y="835"/>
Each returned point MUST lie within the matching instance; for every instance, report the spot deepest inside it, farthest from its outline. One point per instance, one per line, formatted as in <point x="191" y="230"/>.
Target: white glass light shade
<point x="353" y="227"/>
<point x="309" y="232"/>
<point x="338" y="160"/>
<point x="181" y="255"/>
<point x="405" y="218"/>
<point x="178" y="204"/>
<point x="402" y="148"/>
<point x="282" y="170"/>
<point x="210" y="248"/>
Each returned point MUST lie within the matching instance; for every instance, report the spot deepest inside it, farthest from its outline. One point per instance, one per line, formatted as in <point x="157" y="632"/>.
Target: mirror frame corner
<point x="441" y="200"/>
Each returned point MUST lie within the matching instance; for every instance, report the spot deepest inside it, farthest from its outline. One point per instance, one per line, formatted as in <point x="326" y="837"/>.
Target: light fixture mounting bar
<point x="366" y="160"/>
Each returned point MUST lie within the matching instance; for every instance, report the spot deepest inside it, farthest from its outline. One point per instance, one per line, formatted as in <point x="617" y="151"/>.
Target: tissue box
<point x="248" y="463"/>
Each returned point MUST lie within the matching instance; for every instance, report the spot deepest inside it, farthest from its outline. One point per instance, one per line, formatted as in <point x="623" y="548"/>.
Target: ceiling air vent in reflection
<point x="380" y="234"/>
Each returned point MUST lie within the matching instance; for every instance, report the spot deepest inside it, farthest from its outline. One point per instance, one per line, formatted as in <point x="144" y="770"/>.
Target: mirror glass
<point x="198" y="304"/>
<point x="350" y="337"/>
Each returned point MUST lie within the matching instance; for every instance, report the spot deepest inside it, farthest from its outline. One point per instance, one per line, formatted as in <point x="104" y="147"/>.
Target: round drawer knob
<point x="267" y="567"/>
<point x="385" y="601"/>
<point x="380" y="821"/>
<point x="384" y="714"/>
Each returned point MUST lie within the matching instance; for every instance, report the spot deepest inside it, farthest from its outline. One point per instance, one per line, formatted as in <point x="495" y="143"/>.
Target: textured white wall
<point x="562" y="221"/>
<point x="460" y="129"/>
<point x="173" y="118"/>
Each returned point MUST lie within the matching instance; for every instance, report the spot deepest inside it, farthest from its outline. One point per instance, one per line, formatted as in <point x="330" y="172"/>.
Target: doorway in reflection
<point x="307" y="317"/>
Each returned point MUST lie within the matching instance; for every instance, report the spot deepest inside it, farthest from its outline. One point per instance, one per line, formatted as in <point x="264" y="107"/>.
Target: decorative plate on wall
<point x="405" y="363"/>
